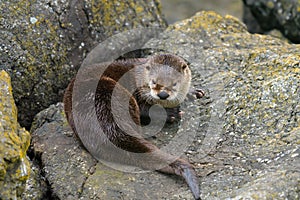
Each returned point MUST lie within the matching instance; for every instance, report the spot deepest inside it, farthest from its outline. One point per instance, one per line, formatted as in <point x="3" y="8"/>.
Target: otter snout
<point x="163" y="95"/>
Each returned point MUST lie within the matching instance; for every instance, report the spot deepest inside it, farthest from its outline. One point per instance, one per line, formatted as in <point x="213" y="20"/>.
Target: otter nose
<point x="163" y="95"/>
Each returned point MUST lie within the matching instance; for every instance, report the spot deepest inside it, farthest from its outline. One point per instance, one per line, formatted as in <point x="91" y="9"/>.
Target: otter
<point x="161" y="79"/>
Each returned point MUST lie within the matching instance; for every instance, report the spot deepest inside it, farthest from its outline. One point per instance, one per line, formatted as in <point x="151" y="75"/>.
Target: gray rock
<point x="65" y="164"/>
<point x="265" y="15"/>
<point x="44" y="42"/>
<point x="246" y="128"/>
<point x="175" y="10"/>
<point x="36" y="185"/>
<point x="253" y="82"/>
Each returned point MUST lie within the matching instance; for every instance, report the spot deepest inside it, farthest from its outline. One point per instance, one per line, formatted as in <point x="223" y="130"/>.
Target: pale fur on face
<point x="174" y="80"/>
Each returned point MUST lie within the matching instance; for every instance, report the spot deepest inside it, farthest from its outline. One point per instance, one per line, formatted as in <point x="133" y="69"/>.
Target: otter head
<point x="164" y="80"/>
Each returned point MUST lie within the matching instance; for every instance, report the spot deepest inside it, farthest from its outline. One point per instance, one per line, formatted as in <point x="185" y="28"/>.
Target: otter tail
<point x="183" y="168"/>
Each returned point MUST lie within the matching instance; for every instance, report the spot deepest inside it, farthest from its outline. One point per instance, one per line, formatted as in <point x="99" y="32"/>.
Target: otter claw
<point x="199" y="93"/>
<point x="181" y="113"/>
<point x="196" y="94"/>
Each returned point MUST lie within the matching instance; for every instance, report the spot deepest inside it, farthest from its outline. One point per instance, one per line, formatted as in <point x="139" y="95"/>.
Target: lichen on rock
<point x="43" y="43"/>
<point x="247" y="126"/>
<point x="14" y="142"/>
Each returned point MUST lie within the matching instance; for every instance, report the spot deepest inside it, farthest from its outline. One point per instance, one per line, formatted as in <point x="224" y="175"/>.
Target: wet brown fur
<point x="131" y="142"/>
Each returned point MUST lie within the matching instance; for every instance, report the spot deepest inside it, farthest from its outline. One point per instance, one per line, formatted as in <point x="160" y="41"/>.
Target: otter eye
<point x="153" y="82"/>
<point x="174" y="84"/>
<point x="148" y="68"/>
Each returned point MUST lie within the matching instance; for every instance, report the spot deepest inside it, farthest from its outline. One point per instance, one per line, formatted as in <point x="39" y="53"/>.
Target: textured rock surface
<point x="247" y="128"/>
<point x="175" y="10"/>
<point x="254" y="87"/>
<point x="36" y="186"/>
<point x="14" y="142"/>
<point x="265" y="15"/>
<point x="44" y="42"/>
<point x="65" y="165"/>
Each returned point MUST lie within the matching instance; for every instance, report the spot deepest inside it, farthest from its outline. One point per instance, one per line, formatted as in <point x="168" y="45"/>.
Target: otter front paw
<point x="173" y="114"/>
<point x="196" y="94"/>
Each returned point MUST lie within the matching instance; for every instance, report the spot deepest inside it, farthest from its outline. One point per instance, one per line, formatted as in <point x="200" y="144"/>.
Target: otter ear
<point x="184" y="66"/>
